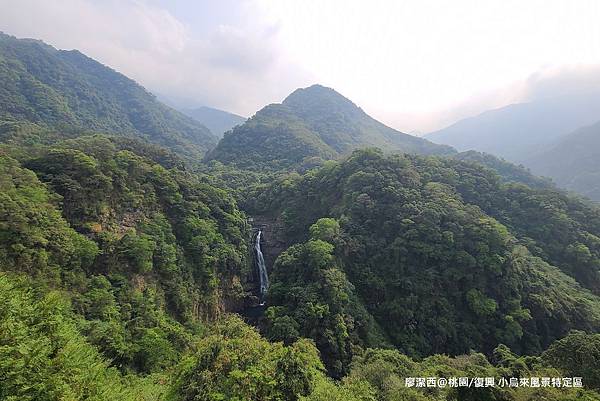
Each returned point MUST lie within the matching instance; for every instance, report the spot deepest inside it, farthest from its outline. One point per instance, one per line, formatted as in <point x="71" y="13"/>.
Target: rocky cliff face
<point x="272" y="243"/>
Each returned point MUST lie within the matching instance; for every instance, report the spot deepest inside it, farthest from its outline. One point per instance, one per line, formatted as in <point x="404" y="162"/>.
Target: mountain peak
<point x="321" y="100"/>
<point x="312" y="90"/>
<point x="311" y="123"/>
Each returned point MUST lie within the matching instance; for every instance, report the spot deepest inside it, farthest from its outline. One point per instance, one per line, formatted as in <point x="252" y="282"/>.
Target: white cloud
<point x="406" y="59"/>
<point x="231" y="67"/>
<point x="549" y="82"/>
<point x="415" y="64"/>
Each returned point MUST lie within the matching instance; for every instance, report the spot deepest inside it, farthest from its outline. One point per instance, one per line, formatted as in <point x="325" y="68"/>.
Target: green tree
<point x="577" y="354"/>
<point x="325" y="229"/>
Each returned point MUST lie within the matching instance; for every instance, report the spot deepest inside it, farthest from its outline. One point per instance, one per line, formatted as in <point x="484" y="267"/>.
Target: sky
<point x="416" y="65"/>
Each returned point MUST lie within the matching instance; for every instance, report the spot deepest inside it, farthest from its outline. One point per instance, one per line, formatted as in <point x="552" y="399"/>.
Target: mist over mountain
<point x="555" y="135"/>
<point x="572" y="161"/>
<point x="517" y="131"/>
<point x="53" y="87"/>
<point x="312" y="124"/>
<point x="217" y="121"/>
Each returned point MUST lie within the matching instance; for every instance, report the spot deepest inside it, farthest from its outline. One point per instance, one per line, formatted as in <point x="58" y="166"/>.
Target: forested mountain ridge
<point x="66" y="88"/>
<point x="572" y="161"/>
<point x="129" y="233"/>
<point x="375" y="237"/>
<point x="517" y="131"/>
<point x="323" y="109"/>
<point x="311" y="125"/>
<point x="509" y="172"/>
<point x="162" y="252"/>
<point x="123" y="262"/>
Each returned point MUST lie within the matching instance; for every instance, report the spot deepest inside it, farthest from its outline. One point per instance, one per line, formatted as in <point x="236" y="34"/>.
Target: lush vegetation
<point x="60" y="88"/>
<point x="234" y="362"/>
<point x="508" y="172"/>
<point x="311" y="126"/>
<point x="161" y="252"/>
<point x="386" y="372"/>
<point x="44" y="356"/>
<point x="442" y="255"/>
<point x="122" y="262"/>
<point x="555" y="137"/>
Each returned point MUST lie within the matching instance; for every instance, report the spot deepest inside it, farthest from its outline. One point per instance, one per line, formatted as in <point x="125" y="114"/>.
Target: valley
<point x="308" y="253"/>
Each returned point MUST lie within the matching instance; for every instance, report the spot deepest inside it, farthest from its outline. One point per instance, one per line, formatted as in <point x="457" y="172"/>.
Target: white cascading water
<point x="262" y="269"/>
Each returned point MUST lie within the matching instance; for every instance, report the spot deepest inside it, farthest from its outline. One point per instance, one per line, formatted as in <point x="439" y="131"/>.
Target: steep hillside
<point x="508" y="171"/>
<point x="122" y="265"/>
<point x="217" y="121"/>
<point x="116" y="266"/>
<point x="65" y="88"/>
<point x="515" y="132"/>
<point x="573" y="161"/>
<point x="311" y="125"/>
<point x="142" y="249"/>
<point x="431" y="255"/>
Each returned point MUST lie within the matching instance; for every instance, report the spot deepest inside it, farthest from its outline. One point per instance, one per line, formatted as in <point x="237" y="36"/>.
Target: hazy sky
<point x="415" y="64"/>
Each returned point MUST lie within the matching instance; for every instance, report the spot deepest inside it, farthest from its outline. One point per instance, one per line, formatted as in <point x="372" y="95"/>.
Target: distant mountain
<point x="54" y="87"/>
<point x="573" y="161"/>
<point x="514" y="132"/>
<point x="217" y="121"/>
<point x="312" y="125"/>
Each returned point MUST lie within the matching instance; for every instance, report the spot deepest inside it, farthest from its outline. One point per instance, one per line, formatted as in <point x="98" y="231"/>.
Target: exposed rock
<point x="272" y="238"/>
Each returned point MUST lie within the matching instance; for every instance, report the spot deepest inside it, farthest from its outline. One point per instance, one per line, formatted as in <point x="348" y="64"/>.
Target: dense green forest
<point x="61" y="88"/>
<point x="439" y="265"/>
<point x="127" y="265"/>
<point x="508" y="172"/>
<point x="310" y="126"/>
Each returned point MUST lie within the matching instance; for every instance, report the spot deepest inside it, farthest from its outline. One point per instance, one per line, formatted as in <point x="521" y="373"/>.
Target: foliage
<point x="60" y="88"/>
<point x="311" y="126"/>
<point x="508" y="172"/>
<point x="43" y="356"/>
<point x="347" y="390"/>
<point x="435" y="251"/>
<point x="119" y="259"/>
<point x="314" y="299"/>
<point x="577" y="354"/>
<point x="162" y="250"/>
<point x="561" y="229"/>
<point x="34" y="238"/>
<point x="386" y="371"/>
<point x="235" y="363"/>
<point x="325" y="229"/>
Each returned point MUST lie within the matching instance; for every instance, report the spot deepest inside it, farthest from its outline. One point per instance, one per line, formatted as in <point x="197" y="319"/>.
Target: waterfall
<point x="262" y="268"/>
